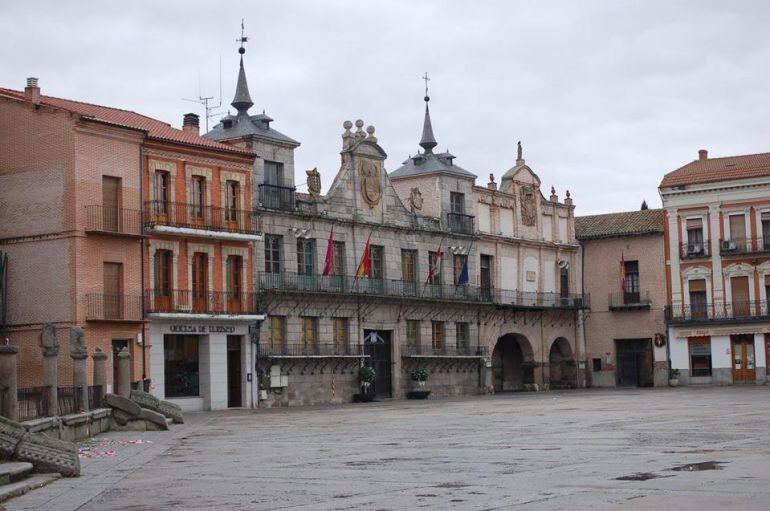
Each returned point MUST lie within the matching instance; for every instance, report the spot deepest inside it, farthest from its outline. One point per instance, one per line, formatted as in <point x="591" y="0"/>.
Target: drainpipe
<point x="141" y="262"/>
<point x="580" y="313"/>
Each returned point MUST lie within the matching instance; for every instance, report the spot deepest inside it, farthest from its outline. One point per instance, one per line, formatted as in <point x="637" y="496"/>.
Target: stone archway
<point x="513" y="363"/>
<point x="561" y="361"/>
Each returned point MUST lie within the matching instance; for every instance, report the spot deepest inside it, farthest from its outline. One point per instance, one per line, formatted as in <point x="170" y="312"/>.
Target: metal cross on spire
<point x="242" y="40"/>
<point x="425" y="77"/>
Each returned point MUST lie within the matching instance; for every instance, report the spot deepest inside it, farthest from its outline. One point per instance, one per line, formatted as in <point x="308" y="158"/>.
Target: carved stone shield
<point x="371" y="182"/>
<point x="415" y="199"/>
<point x="314" y="182"/>
<point x="528" y="206"/>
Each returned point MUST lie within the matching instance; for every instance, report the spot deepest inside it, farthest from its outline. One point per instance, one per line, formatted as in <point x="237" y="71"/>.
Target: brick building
<point x="717" y="234"/>
<point x="136" y="231"/>
<point x="623" y="265"/>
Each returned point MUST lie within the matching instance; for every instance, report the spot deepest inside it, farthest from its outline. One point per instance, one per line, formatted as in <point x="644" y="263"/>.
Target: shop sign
<point x="202" y="329"/>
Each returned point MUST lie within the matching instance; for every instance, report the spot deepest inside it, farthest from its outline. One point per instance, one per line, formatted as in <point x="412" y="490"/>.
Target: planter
<point x="363" y="398"/>
<point x="673" y="382"/>
<point x="418" y="394"/>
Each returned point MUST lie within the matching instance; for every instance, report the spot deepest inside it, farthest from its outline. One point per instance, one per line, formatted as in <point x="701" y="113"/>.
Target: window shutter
<point x="697" y="285"/>
<point x="694" y="223"/>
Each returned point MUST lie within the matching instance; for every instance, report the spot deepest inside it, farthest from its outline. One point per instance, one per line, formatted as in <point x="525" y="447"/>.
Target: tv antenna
<point x="204" y="100"/>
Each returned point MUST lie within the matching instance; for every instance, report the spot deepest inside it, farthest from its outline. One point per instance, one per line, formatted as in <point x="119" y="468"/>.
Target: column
<point x="100" y="373"/>
<point x="8" y="382"/>
<point x="79" y="372"/>
<point x="124" y="373"/>
<point x="50" y="346"/>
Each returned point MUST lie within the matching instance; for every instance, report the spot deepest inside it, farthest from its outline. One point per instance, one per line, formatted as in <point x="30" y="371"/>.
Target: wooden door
<point x="744" y="369"/>
<point x="232" y="195"/>
<point x="112" y="299"/>
<point x="162" y="292"/>
<point x="234" y="284"/>
<point x="200" y="280"/>
<point x="234" y="390"/>
<point x="740" y="296"/>
<point x="111" y="203"/>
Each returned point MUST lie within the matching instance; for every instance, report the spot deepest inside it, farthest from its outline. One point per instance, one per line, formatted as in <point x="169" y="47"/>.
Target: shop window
<point x="181" y="365"/>
<point x="700" y="356"/>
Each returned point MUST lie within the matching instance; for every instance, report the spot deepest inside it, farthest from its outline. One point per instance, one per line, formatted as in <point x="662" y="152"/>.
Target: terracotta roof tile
<point x="631" y="223"/>
<point x="712" y="170"/>
<point x="155" y="129"/>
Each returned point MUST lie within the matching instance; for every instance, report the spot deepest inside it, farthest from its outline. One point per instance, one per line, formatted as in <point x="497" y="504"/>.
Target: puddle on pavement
<point x="697" y="467"/>
<point x="640" y="476"/>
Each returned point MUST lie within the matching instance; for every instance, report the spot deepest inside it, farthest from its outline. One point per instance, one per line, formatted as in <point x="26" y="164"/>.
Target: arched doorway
<point x="513" y="363"/>
<point x="562" y="364"/>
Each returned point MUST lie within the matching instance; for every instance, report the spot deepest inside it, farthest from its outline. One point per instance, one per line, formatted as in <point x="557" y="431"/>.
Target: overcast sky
<point x="605" y="96"/>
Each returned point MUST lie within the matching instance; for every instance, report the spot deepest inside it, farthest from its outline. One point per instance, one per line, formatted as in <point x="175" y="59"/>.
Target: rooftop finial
<point x="428" y="141"/>
<point x="519" y="153"/>
<point x="242" y="100"/>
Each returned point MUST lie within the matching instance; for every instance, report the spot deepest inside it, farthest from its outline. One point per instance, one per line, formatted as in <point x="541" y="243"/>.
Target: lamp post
<point x="254" y="330"/>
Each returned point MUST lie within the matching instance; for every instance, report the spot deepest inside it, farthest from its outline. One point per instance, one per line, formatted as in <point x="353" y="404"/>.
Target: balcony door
<point x="198" y="201"/>
<point x="162" y="196"/>
<point x="232" y="196"/>
<point x="234" y="272"/>
<point x="485" y="273"/>
<point x="112" y="300"/>
<point x="200" y="281"/>
<point x="111" y="203"/>
<point x="162" y="281"/>
<point x="738" y="231"/>
<point x="740" y="297"/>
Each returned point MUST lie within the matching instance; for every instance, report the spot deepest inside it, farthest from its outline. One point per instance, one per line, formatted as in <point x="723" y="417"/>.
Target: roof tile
<point x="631" y="223"/>
<point x="713" y="170"/>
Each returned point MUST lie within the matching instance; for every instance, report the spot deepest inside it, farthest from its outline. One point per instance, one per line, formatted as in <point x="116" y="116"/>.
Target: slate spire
<point x="428" y="141"/>
<point x="242" y="100"/>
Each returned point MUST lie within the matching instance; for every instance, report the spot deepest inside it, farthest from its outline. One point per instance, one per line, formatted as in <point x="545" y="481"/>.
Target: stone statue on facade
<point x="415" y="200"/>
<point x="519" y="152"/>
<point x="314" y="182"/>
<point x="528" y="206"/>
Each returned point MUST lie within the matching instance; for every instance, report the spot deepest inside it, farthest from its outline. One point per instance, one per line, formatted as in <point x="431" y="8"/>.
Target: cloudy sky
<point x="605" y="96"/>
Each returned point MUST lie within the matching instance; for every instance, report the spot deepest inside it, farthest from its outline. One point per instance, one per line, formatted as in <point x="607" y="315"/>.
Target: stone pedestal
<point x="50" y="346"/>
<point x="79" y="372"/>
<point x="8" y="382"/>
<point x="124" y="374"/>
<point x="100" y="373"/>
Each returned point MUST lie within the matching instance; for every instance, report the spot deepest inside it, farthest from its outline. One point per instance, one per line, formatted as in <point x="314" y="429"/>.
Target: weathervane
<point x="242" y="40"/>
<point x="425" y="77"/>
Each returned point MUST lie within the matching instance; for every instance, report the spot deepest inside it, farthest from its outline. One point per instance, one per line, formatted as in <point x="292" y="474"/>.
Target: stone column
<point x="8" y="382"/>
<point x="124" y="373"/>
<point x="79" y="372"/>
<point x="100" y="372"/>
<point x="50" y="345"/>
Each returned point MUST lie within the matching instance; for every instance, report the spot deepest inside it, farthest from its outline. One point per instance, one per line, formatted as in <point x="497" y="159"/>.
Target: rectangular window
<point x="698" y="297"/>
<point x="277" y="333"/>
<point x="163" y="273"/>
<point x="564" y="283"/>
<point x="739" y="288"/>
<point x="274" y="173"/>
<point x="200" y="281"/>
<point x="198" y="196"/>
<point x="765" y="230"/>
<point x="234" y="272"/>
<point x="597" y="363"/>
<point x="162" y="192"/>
<point x="111" y="187"/>
<point x="437" y="335"/>
<point x="409" y="265"/>
<point x="309" y="333"/>
<point x="338" y="258"/>
<point x="376" y="258"/>
<point x="738" y="229"/>
<point x="413" y="333"/>
<point x="273" y="253"/>
<point x="305" y="256"/>
<point x="457" y="202"/>
<point x="485" y="264"/>
<point x="459" y="261"/>
<point x="233" y="200"/>
<point x="631" y="269"/>
<point x="695" y="236"/>
<point x="113" y="290"/>
<point x="181" y="365"/>
<point x="462" y="337"/>
<point x="341" y="330"/>
<point x="700" y="356"/>
<point x="434" y="261"/>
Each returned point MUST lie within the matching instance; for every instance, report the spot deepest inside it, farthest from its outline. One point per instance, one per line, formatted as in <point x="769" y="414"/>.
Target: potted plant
<point x="366" y="375"/>
<point x="419" y="375"/>
<point x="673" y="377"/>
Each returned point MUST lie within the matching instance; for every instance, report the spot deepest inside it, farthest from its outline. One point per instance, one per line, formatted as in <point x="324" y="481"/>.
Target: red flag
<point x="435" y="268"/>
<point x="365" y="266"/>
<point x="622" y="272"/>
<point x="329" y="253"/>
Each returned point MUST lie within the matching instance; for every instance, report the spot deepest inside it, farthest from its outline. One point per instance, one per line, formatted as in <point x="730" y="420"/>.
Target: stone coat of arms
<point x="528" y="206"/>
<point x="314" y="182"/>
<point x="415" y="199"/>
<point x="371" y="182"/>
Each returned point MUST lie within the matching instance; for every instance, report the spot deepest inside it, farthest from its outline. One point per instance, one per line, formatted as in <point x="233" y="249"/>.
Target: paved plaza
<point x="587" y="449"/>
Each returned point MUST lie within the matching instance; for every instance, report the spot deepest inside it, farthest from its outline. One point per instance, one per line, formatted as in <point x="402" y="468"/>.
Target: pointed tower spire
<point x="242" y="100"/>
<point x="428" y="141"/>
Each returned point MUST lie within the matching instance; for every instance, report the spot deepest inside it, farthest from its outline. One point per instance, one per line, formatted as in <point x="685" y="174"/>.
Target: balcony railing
<point x="696" y="250"/>
<point x="445" y="351"/>
<point x="103" y="307"/>
<point x="310" y="350"/>
<point x="201" y="302"/>
<point x="345" y="284"/>
<point x="717" y="312"/>
<point x="111" y="220"/>
<point x="208" y="218"/>
<point x="739" y="246"/>
<point x="459" y="223"/>
<point x="276" y="197"/>
<point x="635" y="300"/>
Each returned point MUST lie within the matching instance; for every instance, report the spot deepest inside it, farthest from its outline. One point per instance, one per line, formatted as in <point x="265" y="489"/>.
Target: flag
<point x="622" y="272"/>
<point x="463" y="277"/>
<point x="365" y="266"/>
<point x="329" y="253"/>
<point x="435" y="268"/>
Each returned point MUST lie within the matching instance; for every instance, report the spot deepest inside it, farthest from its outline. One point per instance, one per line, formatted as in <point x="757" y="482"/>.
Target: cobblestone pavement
<point x="571" y="450"/>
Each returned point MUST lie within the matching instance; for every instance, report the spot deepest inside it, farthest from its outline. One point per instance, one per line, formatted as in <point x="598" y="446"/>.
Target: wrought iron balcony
<point x="277" y="197"/>
<point x="742" y="246"/>
<point x="459" y="223"/>
<point x="630" y="301"/>
<point x="185" y="219"/>
<point x="698" y="250"/>
<point x="299" y="350"/>
<point x="114" y="221"/>
<point x="718" y="312"/>
<point x="444" y="351"/>
<point x="345" y="284"/>
<point x="107" y="307"/>
<point x="177" y="301"/>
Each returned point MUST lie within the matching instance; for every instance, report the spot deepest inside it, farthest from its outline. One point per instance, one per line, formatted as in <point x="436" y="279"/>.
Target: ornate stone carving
<point x="371" y="181"/>
<point x="528" y="206"/>
<point x="48" y="341"/>
<point x="415" y="200"/>
<point x="78" y="343"/>
<point x="314" y="182"/>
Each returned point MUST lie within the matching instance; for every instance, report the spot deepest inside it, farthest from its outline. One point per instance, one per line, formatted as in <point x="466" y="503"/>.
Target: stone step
<point x="8" y="491"/>
<point x="12" y="471"/>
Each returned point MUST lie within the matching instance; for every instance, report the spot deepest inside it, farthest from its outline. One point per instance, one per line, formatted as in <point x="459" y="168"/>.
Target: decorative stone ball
<point x="241" y="50"/>
<point x="347" y="125"/>
<point x="370" y="130"/>
<point x="359" y="124"/>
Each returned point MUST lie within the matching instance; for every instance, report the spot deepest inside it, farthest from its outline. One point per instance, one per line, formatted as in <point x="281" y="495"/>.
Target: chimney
<point x="32" y="91"/>
<point x="191" y="124"/>
<point x="703" y="154"/>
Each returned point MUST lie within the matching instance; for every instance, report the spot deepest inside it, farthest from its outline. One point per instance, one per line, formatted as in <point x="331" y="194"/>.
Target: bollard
<point x="50" y="346"/>
<point x="8" y="382"/>
<point x="100" y="374"/>
<point x="124" y="373"/>
<point x="79" y="355"/>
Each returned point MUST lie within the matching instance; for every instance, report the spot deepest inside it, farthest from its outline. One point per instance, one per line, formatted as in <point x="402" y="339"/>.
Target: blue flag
<point x="463" y="277"/>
